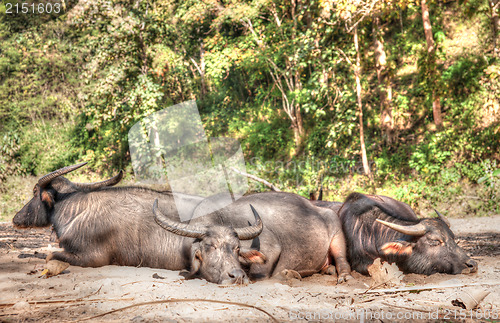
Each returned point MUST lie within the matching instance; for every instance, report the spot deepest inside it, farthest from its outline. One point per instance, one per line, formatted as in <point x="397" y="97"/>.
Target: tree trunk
<point x="384" y="86"/>
<point x="357" y="74"/>
<point x="495" y="24"/>
<point x="202" y="69"/>
<point x="431" y="51"/>
<point x="436" y="110"/>
<point x="299" y="140"/>
<point x="427" y="27"/>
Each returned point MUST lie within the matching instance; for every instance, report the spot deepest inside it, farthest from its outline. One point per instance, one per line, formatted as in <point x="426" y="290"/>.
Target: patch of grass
<point x="15" y="192"/>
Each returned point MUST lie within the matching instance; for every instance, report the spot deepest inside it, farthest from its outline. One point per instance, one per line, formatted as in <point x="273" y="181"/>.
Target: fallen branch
<point x="174" y="300"/>
<point x="58" y="301"/>
<point x="35" y="302"/>
<point x="473" y="197"/>
<point x="255" y="178"/>
<point x="153" y="282"/>
<point x="429" y="287"/>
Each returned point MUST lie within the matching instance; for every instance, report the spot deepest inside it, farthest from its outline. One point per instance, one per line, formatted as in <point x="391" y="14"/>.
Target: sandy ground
<point x="83" y="293"/>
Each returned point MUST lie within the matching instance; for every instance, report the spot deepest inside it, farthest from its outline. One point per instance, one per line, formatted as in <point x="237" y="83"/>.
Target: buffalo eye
<point x="435" y="242"/>
<point x="211" y="247"/>
<point x="237" y="249"/>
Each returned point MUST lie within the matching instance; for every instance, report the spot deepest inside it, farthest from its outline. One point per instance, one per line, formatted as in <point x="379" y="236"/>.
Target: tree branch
<point x="255" y="178"/>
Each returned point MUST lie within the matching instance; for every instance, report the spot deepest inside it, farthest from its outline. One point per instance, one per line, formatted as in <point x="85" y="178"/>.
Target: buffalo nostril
<point x="472" y="264"/>
<point x="236" y="274"/>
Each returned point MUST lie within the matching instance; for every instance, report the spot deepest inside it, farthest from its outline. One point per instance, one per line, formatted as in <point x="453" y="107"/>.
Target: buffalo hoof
<point x="49" y="257"/>
<point x="330" y="270"/>
<point x="291" y="274"/>
<point x="344" y="278"/>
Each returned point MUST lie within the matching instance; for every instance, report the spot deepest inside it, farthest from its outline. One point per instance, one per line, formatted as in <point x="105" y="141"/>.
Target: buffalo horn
<point x="445" y="220"/>
<point x="253" y="231"/>
<point x="95" y="186"/>
<point x="412" y="230"/>
<point x="45" y="180"/>
<point x="173" y="226"/>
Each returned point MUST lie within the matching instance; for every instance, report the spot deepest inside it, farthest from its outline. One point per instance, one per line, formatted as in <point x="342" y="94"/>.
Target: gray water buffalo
<point x="297" y="235"/>
<point x="99" y="225"/>
<point x="381" y="227"/>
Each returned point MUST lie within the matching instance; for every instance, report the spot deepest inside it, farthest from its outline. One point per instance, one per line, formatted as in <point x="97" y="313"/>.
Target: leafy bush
<point x="45" y="147"/>
<point x="491" y="179"/>
<point x="428" y="159"/>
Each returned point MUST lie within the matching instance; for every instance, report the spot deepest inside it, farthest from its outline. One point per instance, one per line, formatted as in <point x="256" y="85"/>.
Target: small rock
<point x="156" y="276"/>
<point x="22" y="306"/>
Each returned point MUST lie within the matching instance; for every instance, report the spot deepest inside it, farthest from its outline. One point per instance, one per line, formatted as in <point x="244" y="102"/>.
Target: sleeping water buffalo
<point x="99" y="225"/>
<point x="297" y="235"/>
<point x="381" y="227"/>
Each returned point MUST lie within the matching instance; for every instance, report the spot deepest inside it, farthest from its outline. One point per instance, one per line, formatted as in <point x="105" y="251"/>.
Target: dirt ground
<point x="149" y="295"/>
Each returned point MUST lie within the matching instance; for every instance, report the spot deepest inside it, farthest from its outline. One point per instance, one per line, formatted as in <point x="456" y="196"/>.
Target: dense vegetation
<point x="395" y="97"/>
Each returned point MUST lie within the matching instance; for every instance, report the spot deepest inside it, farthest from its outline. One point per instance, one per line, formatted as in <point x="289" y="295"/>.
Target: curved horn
<point x="45" y="180"/>
<point x="253" y="231"/>
<point x="412" y="230"/>
<point x="95" y="186"/>
<point x="173" y="226"/>
<point x="445" y="220"/>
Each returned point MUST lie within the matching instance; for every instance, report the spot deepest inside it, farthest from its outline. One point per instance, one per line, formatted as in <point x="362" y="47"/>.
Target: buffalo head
<point x="432" y="248"/>
<point x="36" y="213"/>
<point x="216" y="254"/>
<point x="380" y="226"/>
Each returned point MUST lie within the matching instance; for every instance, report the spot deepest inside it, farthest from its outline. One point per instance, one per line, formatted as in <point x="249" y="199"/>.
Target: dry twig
<point x="428" y="287"/>
<point x="174" y="300"/>
<point x="255" y="178"/>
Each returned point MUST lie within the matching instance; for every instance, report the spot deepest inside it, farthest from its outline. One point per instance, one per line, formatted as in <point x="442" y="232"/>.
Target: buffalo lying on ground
<point x="381" y="227"/>
<point x="99" y="225"/>
<point x="297" y="235"/>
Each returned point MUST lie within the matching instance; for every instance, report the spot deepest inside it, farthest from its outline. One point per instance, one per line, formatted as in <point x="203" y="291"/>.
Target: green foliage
<point x="15" y="192"/>
<point x="449" y="175"/>
<point x="411" y="192"/>
<point x="45" y="147"/>
<point x="72" y="86"/>
<point x="9" y="151"/>
<point x="491" y="178"/>
<point x="427" y="159"/>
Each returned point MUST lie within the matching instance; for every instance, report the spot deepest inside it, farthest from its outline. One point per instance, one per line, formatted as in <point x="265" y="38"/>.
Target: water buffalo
<point x="379" y="226"/>
<point x="297" y="235"/>
<point x="99" y="225"/>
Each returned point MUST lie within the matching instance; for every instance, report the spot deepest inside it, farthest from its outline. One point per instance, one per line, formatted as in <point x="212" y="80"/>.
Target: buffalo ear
<point x="400" y="248"/>
<point x="252" y="256"/>
<point x="196" y="261"/>
<point x="48" y="198"/>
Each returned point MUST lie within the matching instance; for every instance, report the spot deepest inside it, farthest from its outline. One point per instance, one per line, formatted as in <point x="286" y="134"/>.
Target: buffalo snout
<point x="471" y="267"/>
<point x="21" y="220"/>
<point x="236" y="276"/>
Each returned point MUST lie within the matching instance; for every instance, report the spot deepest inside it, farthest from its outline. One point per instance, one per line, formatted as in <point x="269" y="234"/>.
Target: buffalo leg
<point x="263" y="271"/>
<point x="75" y="260"/>
<point x="338" y="252"/>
